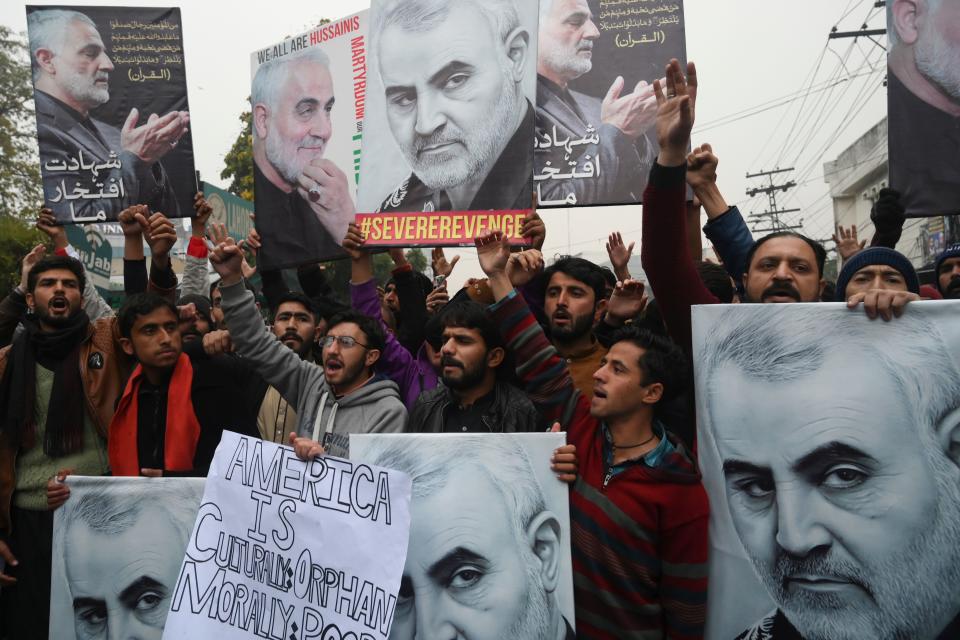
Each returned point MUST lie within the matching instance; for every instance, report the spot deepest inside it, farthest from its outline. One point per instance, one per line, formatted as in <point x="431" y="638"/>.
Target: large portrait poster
<point x="923" y="102"/>
<point x="292" y="550"/>
<point x="489" y="552"/>
<point x="308" y="95"/>
<point x="449" y="118"/>
<point x="595" y="140"/>
<point x="828" y="447"/>
<point x="117" y="547"/>
<point x="113" y="122"/>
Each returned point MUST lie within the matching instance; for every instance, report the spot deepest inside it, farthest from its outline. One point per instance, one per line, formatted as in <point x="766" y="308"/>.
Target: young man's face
<point x="876" y="276"/>
<point x="121" y="587"/>
<point x="450" y="95"/>
<point x="344" y="366"/>
<point x="618" y="383"/>
<point x="56" y="297"/>
<point x="839" y="505"/>
<point x="783" y="270"/>
<point x="571" y="307"/>
<point x="469" y="574"/>
<point x="296" y="327"/>
<point x="464" y="358"/>
<point x="949" y="277"/>
<point x="155" y="339"/>
<point x="216" y="308"/>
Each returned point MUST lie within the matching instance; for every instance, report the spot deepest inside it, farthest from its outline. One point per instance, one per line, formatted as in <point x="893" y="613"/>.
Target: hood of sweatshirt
<point x="377" y="390"/>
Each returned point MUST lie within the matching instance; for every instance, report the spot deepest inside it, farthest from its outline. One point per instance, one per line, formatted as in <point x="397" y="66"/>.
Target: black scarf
<point x="58" y="351"/>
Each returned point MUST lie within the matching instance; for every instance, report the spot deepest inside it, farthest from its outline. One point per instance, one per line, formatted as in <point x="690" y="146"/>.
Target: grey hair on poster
<point x="790" y="342"/>
<point x="501" y="458"/>
<point x="271" y="75"/>
<point x="47" y="30"/>
<point x="111" y="511"/>
<point x="423" y="15"/>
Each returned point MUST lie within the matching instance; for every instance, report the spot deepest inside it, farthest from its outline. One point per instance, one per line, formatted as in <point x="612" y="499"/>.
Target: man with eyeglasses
<point x="343" y="396"/>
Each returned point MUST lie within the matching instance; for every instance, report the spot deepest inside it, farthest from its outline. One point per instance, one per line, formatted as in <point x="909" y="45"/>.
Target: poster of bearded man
<point x="828" y="444"/>
<point x="307" y="103"/>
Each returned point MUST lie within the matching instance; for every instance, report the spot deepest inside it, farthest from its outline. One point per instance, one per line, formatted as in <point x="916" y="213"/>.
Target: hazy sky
<point x="752" y="56"/>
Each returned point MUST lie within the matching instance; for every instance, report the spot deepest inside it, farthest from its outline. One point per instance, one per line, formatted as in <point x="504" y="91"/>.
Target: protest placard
<point x="595" y="141"/>
<point x="827" y="443"/>
<point x="923" y="103"/>
<point x="117" y="546"/>
<point x="112" y="116"/>
<point x="489" y="534"/>
<point x="284" y="548"/>
<point x="308" y="100"/>
<point x="448" y="128"/>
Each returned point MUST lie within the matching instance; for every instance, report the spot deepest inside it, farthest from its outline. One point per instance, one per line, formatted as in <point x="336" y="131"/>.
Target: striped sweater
<point x="639" y="538"/>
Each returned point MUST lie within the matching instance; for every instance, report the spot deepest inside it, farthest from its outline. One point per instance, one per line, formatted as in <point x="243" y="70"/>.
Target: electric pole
<point x="771" y="217"/>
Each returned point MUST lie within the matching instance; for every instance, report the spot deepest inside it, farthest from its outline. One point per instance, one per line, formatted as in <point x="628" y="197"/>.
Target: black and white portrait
<point x="923" y="96"/>
<point x="113" y="123"/>
<point x="450" y="106"/>
<point x="118" y="546"/>
<point x="489" y="550"/>
<point x="304" y="137"/>
<point x="830" y="450"/>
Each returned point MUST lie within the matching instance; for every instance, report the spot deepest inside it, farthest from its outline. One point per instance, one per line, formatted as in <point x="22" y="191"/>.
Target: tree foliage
<point x="238" y="163"/>
<point x="17" y="238"/>
<point x="20" y="190"/>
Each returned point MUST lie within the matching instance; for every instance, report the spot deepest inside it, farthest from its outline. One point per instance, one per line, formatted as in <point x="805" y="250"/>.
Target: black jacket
<point x="510" y="412"/>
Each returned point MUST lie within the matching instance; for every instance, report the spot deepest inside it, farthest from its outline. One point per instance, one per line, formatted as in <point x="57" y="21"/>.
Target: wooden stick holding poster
<point x="284" y="548"/>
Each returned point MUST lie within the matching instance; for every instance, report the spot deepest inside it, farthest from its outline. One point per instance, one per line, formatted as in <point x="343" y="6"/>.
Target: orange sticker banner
<point x="439" y="228"/>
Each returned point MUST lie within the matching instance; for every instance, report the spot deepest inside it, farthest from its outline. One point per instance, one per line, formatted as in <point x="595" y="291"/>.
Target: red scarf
<point x="181" y="435"/>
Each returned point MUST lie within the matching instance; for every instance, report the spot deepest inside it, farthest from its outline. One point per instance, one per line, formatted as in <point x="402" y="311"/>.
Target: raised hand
<point x="353" y="242"/>
<point x="202" y="211"/>
<point x="438" y="261"/>
<point x="846" y="240"/>
<point x="619" y="255"/>
<point x="702" y="167"/>
<point x="226" y="256"/>
<point x="217" y="342"/>
<point x="493" y="252"/>
<point x="47" y="223"/>
<point x="676" y="112"/>
<point x="128" y="221"/>
<point x="534" y="228"/>
<point x="437" y="299"/>
<point x="158" y="232"/>
<point x="626" y="302"/>
<point x="524" y="266"/>
<point x="32" y="258"/>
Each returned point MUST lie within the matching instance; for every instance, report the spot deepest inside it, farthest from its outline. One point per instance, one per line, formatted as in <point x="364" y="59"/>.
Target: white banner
<point x="292" y="550"/>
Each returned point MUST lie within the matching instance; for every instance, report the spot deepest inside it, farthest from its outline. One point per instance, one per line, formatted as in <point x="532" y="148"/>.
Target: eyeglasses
<point x="345" y="341"/>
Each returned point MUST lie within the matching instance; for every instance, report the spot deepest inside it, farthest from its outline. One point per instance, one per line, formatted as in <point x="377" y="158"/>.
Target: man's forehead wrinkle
<point x="457" y="49"/>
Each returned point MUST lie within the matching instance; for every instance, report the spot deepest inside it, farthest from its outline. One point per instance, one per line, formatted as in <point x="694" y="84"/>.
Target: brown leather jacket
<point x="104" y="368"/>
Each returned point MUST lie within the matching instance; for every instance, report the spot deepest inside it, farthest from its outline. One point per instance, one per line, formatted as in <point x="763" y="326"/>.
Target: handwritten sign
<point x="289" y="549"/>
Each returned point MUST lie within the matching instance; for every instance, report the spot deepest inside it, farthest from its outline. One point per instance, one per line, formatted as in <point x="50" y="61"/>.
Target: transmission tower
<point x="771" y="217"/>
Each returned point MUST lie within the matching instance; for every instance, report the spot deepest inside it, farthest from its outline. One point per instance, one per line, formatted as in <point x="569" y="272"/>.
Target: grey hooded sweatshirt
<point x="373" y="408"/>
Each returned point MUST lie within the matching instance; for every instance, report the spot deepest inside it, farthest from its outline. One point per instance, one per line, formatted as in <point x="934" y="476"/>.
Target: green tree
<point x="17" y="238"/>
<point x="19" y="161"/>
<point x="418" y="260"/>
<point x="238" y="163"/>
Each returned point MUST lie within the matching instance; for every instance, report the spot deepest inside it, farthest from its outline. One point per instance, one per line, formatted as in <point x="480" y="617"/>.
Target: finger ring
<point x="314" y="193"/>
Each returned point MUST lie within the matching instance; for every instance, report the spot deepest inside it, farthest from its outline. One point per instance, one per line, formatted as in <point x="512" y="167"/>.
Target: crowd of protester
<point x="568" y="346"/>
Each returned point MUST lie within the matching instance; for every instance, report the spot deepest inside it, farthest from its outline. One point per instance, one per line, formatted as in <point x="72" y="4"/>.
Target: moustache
<point x="311" y="142"/>
<point x="440" y="137"/>
<point x="787" y="567"/>
<point x="447" y="361"/>
<point x="290" y="335"/>
<point x="954" y="284"/>
<point x="586" y="45"/>
<point x="781" y="289"/>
